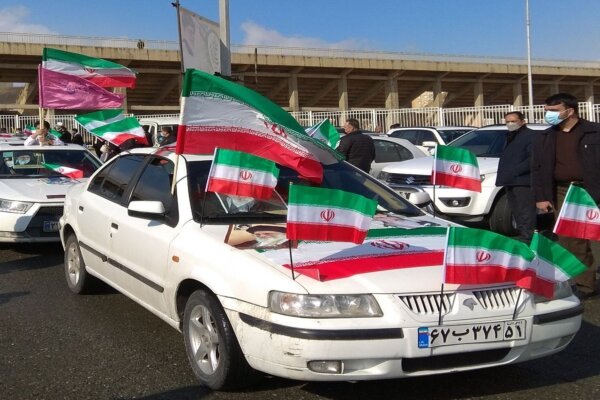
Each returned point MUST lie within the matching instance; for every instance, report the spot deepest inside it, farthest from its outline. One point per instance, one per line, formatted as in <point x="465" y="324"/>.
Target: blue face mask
<point x="552" y="117"/>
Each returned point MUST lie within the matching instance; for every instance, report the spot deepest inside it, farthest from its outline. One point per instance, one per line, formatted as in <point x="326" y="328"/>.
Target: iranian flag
<point x="579" y="215"/>
<point x="28" y="130"/>
<point x="217" y="113"/>
<point x="121" y="130"/>
<point x="552" y="264"/>
<point x="103" y="73"/>
<point x="328" y="214"/>
<point x="242" y="174"/>
<point x="100" y="118"/>
<point x="325" y="132"/>
<point x="66" y="171"/>
<point x="476" y="256"/>
<point x="456" y="167"/>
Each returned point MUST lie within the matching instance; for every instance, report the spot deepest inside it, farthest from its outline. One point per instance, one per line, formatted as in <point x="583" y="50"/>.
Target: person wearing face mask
<point x="514" y="173"/>
<point x="568" y="151"/>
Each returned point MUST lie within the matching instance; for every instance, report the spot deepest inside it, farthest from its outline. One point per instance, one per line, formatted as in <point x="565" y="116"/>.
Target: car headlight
<point x="11" y="206"/>
<point x="324" y="305"/>
<point x="561" y="291"/>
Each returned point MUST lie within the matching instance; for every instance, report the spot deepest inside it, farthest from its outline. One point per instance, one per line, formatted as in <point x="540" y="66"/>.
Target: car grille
<point x="497" y="299"/>
<point x="448" y="361"/>
<point x="409" y="179"/>
<point x="35" y="227"/>
<point x="428" y="304"/>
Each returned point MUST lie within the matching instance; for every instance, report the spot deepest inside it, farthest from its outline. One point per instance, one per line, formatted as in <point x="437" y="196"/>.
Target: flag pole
<point x="289" y="241"/>
<point x="517" y="304"/>
<point x="433" y="180"/>
<point x="443" y="278"/>
<point x="441" y="305"/>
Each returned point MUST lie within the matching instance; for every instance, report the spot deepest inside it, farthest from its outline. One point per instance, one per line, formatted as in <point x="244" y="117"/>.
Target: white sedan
<point x="32" y="193"/>
<point x="390" y="150"/>
<point x="219" y="269"/>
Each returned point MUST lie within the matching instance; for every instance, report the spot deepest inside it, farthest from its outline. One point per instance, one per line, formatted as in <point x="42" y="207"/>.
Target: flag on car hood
<point x="456" y="167"/>
<point x="325" y="132"/>
<point x="102" y="72"/>
<point x="242" y="174"/>
<point x="121" y="130"/>
<point x="552" y="264"/>
<point x="66" y="171"/>
<point x="579" y="215"/>
<point x="100" y="118"/>
<point x="218" y="113"/>
<point x="328" y="214"/>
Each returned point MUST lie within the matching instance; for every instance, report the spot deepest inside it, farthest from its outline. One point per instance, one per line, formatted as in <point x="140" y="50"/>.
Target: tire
<point x="78" y="279"/>
<point x="211" y="346"/>
<point x="501" y="218"/>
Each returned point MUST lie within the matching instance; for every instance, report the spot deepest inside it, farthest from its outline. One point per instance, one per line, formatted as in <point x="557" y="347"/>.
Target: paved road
<point x="55" y="345"/>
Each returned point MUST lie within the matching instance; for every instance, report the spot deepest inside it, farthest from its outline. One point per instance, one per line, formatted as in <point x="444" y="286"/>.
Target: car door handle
<point x="80" y="208"/>
<point x="114" y="226"/>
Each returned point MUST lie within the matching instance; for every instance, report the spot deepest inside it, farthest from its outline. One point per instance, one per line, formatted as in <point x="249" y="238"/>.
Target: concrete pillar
<point x="589" y="98"/>
<point x="343" y="94"/>
<point x="437" y="100"/>
<point x="517" y="94"/>
<point x="554" y="88"/>
<point x="391" y="94"/>
<point x="293" y="91"/>
<point x="123" y="91"/>
<point x="478" y="102"/>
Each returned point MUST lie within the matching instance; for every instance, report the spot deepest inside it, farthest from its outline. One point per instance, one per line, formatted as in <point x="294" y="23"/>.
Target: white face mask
<point x="512" y="126"/>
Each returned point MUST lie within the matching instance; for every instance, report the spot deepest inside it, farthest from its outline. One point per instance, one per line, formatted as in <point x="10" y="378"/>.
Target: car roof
<point x="160" y="120"/>
<point x="537" y="127"/>
<point x="18" y="145"/>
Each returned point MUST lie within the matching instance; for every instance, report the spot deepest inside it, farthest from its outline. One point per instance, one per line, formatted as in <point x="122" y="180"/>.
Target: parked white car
<point x="32" y="195"/>
<point x="155" y="124"/>
<point x="427" y="137"/>
<point x="391" y="150"/>
<point x="219" y="269"/>
<point x="489" y="206"/>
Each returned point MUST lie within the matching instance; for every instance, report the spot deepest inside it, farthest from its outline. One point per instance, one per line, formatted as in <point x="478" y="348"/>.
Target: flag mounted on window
<point x="100" y="118"/>
<point x="579" y="215"/>
<point x="66" y="171"/>
<point x="119" y="131"/>
<point x="242" y="174"/>
<point x="325" y="132"/>
<point x="219" y="113"/>
<point x="456" y="167"/>
<point x="328" y="215"/>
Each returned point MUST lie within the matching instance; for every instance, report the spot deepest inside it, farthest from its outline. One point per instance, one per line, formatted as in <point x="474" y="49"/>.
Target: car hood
<point x="43" y="190"/>
<point x="424" y="166"/>
<point x="399" y="255"/>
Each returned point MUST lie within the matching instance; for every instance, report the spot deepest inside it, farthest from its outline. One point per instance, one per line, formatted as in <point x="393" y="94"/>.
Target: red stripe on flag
<point x="456" y="181"/>
<point x="204" y="142"/>
<point x="328" y="233"/>
<point x="577" y="229"/>
<point x="536" y="285"/>
<point x="343" y="268"/>
<point x="122" y="137"/>
<point x="113" y="81"/>
<point x="237" y="188"/>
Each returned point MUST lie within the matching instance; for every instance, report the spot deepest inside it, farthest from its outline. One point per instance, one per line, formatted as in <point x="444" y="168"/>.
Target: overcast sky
<point x="560" y="29"/>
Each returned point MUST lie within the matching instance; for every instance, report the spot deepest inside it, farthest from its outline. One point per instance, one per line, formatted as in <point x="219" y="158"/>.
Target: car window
<point x="483" y="143"/>
<point x="154" y="184"/>
<point x="390" y="152"/>
<point x="410" y="135"/>
<point x="426" y="136"/>
<point x="33" y="163"/>
<point x="112" y="181"/>
<point x="451" y="134"/>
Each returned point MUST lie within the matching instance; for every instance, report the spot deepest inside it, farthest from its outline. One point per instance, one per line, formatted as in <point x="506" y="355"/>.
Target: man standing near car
<point x="568" y="151"/>
<point x="514" y="173"/>
<point x="357" y="147"/>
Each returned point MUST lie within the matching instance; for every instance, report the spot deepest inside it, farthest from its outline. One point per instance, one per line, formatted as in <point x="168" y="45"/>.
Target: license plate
<point x="50" y="226"/>
<point x="470" y="333"/>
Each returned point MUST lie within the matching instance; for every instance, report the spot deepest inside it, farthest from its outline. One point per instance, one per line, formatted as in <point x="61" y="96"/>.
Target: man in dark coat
<point x="514" y="173"/>
<point x="569" y="151"/>
<point x="357" y="147"/>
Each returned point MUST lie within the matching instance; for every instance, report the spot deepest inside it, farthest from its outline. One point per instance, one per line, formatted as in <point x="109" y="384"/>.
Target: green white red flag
<point x="28" y="130"/>
<point x="242" y="174"/>
<point x="100" y="118"/>
<point x="121" y="130"/>
<point x="476" y="256"/>
<point x="102" y="72"/>
<point x="579" y="215"/>
<point x="219" y="113"/>
<point x="552" y="264"/>
<point x="456" y="167"/>
<point x="66" y="171"/>
<point x="325" y="132"/>
<point x="328" y="214"/>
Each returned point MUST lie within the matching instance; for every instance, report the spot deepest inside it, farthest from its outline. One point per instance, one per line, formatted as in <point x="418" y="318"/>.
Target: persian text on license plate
<point x="50" y="226"/>
<point x="471" y="333"/>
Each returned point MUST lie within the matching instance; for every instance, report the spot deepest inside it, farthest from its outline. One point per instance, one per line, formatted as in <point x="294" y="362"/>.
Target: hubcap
<point x="73" y="264"/>
<point x="204" y="339"/>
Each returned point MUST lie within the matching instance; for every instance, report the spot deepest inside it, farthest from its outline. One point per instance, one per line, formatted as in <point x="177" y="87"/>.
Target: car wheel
<point x="211" y="346"/>
<point x="78" y="279"/>
<point x="501" y="218"/>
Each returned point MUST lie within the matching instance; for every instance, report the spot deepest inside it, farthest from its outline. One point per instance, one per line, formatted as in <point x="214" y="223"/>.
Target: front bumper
<point x="38" y="225"/>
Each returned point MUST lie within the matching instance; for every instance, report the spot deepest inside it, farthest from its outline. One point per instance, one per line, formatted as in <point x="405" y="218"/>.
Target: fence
<point x="370" y="119"/>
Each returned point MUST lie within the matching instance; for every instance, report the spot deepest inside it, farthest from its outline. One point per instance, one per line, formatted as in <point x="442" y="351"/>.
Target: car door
<point x="140" y="244"/>
<point x="387" y="152"/>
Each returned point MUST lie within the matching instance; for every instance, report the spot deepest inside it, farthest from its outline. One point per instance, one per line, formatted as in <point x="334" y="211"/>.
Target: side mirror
<point x="146" y="209"/>
<point x="430" y="143"/>
<point x="419" y="199"/>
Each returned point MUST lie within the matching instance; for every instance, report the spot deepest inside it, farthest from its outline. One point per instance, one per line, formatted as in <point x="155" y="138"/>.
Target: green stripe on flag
<point x="553" y="253"/>
<point x="470" y="238"/>
<point x="123" y="126"/>
<point x="456" y="154"/>
<point x="99" y="116"/>
<point x="300" y="195"/>
<point x="54" y="54"/>
<point x="578" y="195"/>
<point x="245" y="160"/>
<point x="396" y="232"/>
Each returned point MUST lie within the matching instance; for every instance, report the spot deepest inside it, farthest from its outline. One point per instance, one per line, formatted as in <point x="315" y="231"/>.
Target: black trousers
<point x="522" y="204"/>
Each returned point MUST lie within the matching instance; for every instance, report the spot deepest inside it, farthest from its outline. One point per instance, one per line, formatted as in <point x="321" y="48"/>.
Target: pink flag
<point x="61" y="91"/>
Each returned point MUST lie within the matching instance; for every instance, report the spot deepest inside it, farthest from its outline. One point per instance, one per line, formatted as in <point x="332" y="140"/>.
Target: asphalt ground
<point x="57" y="345"/>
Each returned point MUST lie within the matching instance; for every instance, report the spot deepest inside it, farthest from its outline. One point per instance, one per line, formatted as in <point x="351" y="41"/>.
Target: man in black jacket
<point x="357" y="147"/>
<point x="514" y="173"/>
<point x="569" y="151"/>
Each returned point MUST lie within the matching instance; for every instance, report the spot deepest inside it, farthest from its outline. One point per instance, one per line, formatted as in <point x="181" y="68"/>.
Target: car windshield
<point x="451" y="134"/>
<point x="218" y="207"/>
<point x="483" y="143"/>
<point x="36" y="162"/>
